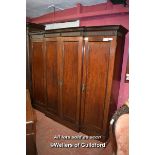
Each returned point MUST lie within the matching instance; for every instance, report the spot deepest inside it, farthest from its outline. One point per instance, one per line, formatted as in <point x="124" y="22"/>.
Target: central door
<point x="70" y="53"/>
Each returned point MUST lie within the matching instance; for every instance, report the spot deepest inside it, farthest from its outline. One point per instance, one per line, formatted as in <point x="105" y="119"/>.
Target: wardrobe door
<point x="71" y="64"/>
<point x="38" y="73"/>
<point x="94" y="84"/>
<point x="52" y="75"/>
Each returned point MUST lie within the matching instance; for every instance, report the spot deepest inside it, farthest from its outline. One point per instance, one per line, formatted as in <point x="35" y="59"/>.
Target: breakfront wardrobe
<point x="76" y="75"/>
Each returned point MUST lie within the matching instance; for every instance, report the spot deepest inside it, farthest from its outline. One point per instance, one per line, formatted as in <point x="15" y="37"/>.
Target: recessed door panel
<point x="71" y="78"/>
<point x="38" y="85"/>
<point x="70" y="75"/>
<point x="95" y="71"/>
<point x="52" y="76"/>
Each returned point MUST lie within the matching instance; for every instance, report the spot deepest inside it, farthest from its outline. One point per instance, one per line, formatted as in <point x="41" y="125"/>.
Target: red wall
<point x="100" y="14"/>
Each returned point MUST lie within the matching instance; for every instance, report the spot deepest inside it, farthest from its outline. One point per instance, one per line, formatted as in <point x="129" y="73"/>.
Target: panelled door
<point x="70" y="52"/>
<point x="38" y="71"/>
<point x="94" y="84"/>
<point x="52" y="83"/>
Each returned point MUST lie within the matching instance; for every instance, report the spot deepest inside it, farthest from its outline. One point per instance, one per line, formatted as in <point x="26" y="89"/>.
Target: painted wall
<point x="100" y="14"/>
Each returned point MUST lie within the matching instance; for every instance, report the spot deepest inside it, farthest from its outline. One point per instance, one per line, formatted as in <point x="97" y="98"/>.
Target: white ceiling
<point x="36" y="8"/>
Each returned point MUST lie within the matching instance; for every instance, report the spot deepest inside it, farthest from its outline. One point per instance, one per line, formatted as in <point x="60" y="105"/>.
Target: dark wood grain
<point x="51" y="75"/>
<point x="96" y="71"/>
<point x="30" y="27"/>
<point x="35" y="27"/>
<point x="106" y="120"/>
<point x="71" y="78"/>
<point x="38" y="77"/>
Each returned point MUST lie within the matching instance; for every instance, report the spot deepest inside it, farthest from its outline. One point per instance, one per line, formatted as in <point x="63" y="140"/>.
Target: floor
<point x="47" y="128"/>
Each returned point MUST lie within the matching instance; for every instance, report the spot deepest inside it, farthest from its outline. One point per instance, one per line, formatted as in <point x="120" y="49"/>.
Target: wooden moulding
<point x="35" y="27"/>
<point x="113" y="30"/>
<point x="88" y="31"/>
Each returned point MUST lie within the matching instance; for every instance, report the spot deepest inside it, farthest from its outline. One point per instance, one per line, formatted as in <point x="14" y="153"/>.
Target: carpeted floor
<point x="47" y="128"/>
